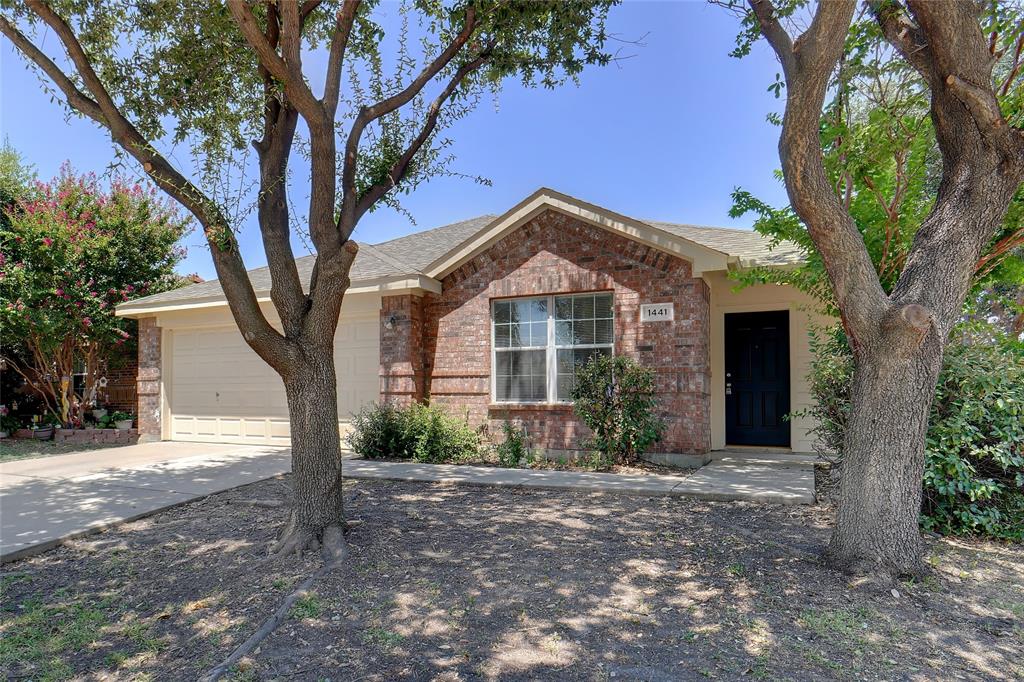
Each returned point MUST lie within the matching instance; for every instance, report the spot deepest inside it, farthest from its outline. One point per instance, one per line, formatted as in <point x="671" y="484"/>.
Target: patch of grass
<point x="138" y="634"/>
<point x="280" y="583"/>
<point x="385" y="639"/>
<point x="736" y="569"/>
<point x="47" y="636"/>
<point x="115" y="659"/>
<point x="842" y="624"/>
<point x="307" y="606"/>
<point x="10" y="579"/>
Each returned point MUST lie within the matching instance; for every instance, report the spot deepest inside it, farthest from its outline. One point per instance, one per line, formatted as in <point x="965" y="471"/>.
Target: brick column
<point x="149" y="380"/>
<point x="401" y="349"/>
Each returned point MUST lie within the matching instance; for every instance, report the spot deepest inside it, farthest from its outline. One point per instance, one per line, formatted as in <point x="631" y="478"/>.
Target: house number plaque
<point x="657" y="312"/>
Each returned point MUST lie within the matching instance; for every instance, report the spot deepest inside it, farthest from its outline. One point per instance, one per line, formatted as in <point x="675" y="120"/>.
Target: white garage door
<point x="222" y="392"/>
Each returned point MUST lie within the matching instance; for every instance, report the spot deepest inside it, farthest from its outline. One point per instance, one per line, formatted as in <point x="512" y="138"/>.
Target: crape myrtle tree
<point x="213" y="76"/>
<point x="898" y="334"/>
<point x="70" y="251"/>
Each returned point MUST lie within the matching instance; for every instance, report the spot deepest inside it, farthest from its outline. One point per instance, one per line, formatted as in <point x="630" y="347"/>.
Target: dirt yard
<point x="463" y="583"/>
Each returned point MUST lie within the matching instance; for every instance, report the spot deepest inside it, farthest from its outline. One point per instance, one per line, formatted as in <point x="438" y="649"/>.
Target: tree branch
<point x="809" y="63"/>
<point x="228" y="262"/>
<point x="775" y="33"/>
<point x="401" y="166"/>
<point x="368" y="114"/>
<point x="336" y="58"/>
<point x="287" y="69"/>
<point x="903" y="34"/>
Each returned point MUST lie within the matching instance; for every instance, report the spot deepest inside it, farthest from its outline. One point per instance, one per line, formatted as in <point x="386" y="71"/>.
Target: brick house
<point x="488" y="316"/>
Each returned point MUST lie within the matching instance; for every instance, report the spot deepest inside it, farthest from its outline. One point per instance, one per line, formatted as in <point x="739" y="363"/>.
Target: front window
<point x="539" y="342"/>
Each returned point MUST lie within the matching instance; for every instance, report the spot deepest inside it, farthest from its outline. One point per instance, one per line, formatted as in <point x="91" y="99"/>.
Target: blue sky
<point x="666" y="134"/>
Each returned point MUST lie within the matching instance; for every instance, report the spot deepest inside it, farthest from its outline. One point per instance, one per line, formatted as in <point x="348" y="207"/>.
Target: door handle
<point x="728" y="388"/>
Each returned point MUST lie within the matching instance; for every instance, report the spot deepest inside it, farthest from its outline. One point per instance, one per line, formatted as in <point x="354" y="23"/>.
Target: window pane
<point x="502" y="312"/>
<point x="525" y="311"/>
<point x="527" y="375"/>
<point x="565" y="361"/>
<point x="501" y="335"/>
<point x="583" y="356"/>
<point x="563" y="333"/>
<point x="539" y="310"/>
<point x="539" y="334"/>
<point x="603" y="331"/>
<point x="503" y="388"/>
<point x="583" y="331"/>
<point x="563" y="308"/>
<point x="583" y="307"/>
<point x="603" y="306"/>
<point x="565" y="385"/>
<point x="502" y="364"/>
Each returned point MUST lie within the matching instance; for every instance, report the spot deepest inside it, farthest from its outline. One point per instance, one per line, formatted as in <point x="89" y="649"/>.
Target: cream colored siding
<point x="802" y="312"/>
<point x="218" y="390"/>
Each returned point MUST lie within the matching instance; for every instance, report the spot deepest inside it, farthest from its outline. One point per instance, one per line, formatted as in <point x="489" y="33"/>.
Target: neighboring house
<point x="487" y="317"/>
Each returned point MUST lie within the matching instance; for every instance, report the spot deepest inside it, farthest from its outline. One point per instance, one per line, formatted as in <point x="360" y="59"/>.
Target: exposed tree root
<point x="269" y="625"/>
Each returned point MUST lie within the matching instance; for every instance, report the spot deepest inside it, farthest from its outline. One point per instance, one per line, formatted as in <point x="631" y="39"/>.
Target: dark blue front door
<point x="757" y="378"/>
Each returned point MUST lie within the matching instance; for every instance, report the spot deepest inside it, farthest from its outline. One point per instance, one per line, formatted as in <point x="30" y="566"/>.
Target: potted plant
<point x="42" y="430"/>
<point x="122" y="420"/>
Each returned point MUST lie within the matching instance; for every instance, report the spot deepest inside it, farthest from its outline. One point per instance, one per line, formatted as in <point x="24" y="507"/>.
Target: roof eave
<point x="382" y="285"/>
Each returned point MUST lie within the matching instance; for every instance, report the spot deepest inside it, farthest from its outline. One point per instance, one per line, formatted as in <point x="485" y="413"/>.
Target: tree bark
<point x="317" y="513"/>
<point x="876" y="530"/>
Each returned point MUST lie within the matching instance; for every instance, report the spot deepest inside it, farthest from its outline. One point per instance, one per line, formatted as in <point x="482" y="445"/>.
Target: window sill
<point x="544" y="407"/>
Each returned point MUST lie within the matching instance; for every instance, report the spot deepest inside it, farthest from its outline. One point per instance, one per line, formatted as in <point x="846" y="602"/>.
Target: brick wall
<point x="402" y="377"/>
<point x="121" y="392"/>
<point x="556" y="254"/>
<point x="149" y="380"/>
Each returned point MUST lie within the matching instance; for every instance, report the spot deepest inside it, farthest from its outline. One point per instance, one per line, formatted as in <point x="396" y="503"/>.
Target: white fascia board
<point x="391" y="286"/>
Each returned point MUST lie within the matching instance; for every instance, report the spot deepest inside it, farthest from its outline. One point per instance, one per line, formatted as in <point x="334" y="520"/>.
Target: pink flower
<point x="86" y="321"/>
<point x="59" y="292"/>
<point x="47" y="241"/>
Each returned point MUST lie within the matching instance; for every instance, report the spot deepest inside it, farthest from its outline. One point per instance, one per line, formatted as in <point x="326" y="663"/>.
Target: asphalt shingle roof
<point x="747" y="245"/>
<point x="412" y="254"/>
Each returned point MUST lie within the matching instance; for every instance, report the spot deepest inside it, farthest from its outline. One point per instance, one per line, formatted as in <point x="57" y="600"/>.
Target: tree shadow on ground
<point x="454" y="582"/>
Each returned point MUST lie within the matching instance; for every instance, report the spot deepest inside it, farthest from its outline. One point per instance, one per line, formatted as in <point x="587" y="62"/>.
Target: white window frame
<point x="551" y="349"/>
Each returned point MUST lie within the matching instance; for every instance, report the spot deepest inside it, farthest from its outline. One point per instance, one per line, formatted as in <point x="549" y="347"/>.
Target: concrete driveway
<point x="44" y="501"/>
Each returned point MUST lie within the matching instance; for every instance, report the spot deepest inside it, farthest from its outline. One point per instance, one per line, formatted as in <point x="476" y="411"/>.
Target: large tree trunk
<point x="317" y="514"/>
<point x="876" y="530"/>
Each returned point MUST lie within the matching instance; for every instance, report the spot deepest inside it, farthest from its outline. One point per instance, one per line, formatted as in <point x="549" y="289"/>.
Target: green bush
<point x="614" y="396"/>
<point x="515" y="449"/>
<point x="974" y="470"/>
<point x="423" y="433"/>
<point x="974" y="479"/>
<point x="378" y="431"/>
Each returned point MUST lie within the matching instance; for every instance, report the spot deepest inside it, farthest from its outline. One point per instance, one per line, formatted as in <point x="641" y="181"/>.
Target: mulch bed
<point x="459" y="583"/>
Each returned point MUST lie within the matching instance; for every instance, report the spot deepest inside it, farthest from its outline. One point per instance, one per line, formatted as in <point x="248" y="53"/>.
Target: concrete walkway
<point x="48" y="500"/>
<point x="769" y="483"/>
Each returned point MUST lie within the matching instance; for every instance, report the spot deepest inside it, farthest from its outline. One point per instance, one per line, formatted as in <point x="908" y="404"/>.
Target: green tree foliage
<point x="70" y="251"/>
<point x="882" y="158"/>
<point x="974" y="475"/>
<point x="614" y="397"/>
